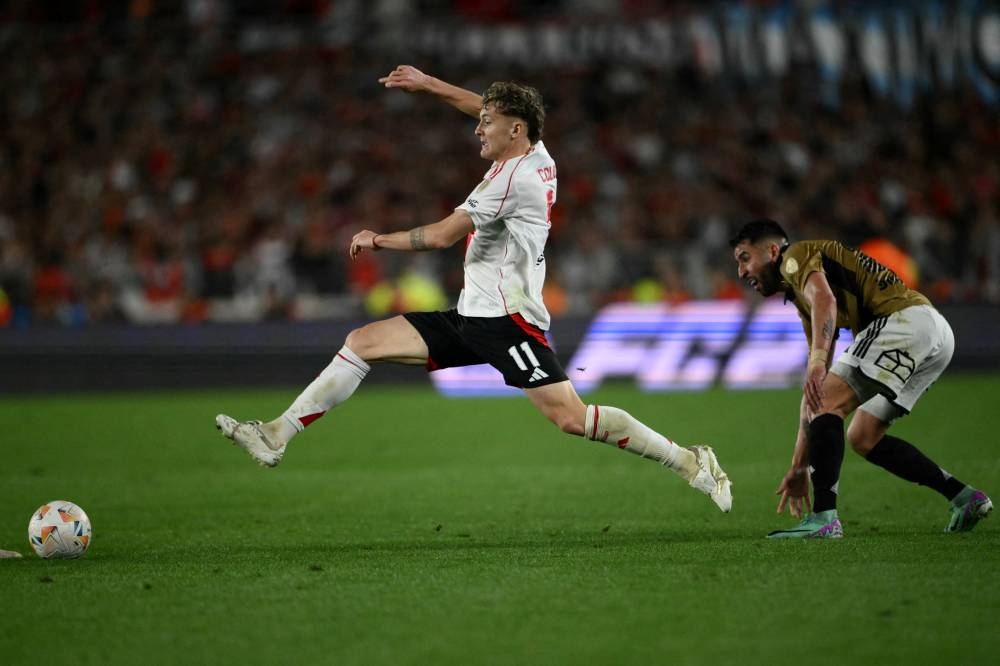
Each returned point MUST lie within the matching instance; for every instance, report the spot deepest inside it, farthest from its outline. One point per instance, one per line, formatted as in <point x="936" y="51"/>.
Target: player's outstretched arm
<point x="824" y="327"/>
<point x="794" y="487"/>
<point x="411" y="79"/>
<point x="441" y="234"/>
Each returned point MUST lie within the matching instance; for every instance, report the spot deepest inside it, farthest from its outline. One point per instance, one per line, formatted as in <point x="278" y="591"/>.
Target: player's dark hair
<point x="519" y="101"/>
<point x="758" y="229"/>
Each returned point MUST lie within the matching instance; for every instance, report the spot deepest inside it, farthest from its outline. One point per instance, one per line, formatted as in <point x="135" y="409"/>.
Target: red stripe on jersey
<point x="497" y="168"/>
<point x="506" y="249"/>
<point x="500" y="208"/>
<point x="309" y="418"/>
<point x="509" y="181"/>
<point x="530" y="329"/>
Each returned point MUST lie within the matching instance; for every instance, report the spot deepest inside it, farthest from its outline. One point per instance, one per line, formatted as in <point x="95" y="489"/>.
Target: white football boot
<point x="710" y="478"/>
<point x="249" y="436"/>
<point x="9" y="554"/>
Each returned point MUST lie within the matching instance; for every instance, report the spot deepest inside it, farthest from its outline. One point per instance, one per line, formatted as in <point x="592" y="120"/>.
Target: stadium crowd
<point x="164" y="172"/>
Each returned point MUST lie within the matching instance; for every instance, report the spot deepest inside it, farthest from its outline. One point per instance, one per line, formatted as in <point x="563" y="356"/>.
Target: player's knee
<point x="862" y="440"/>
<point x="357" y="341"/>
<point x="860" y="446"/>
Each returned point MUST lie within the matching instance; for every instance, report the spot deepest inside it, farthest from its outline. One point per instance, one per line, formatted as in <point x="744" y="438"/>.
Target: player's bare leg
<point x="393" y="340"/>
<point x="697" y="464"/>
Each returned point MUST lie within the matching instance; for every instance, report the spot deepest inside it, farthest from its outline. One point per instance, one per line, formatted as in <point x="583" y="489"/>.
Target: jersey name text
<point x="547" y="173"/>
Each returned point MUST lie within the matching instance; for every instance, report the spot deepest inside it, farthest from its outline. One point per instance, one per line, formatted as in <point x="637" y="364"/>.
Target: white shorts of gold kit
<point x="895" y="359"/>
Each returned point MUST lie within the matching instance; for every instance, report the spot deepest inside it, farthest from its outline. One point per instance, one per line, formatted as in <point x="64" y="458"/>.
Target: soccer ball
<point x="59" y="530"/>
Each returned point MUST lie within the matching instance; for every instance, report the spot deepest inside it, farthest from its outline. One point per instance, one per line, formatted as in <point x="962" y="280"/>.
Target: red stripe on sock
<point x="309" y="418"/>
<point x="351" y="362"/>
<point x="622" y="443"/>
<point x="593" y="435"/>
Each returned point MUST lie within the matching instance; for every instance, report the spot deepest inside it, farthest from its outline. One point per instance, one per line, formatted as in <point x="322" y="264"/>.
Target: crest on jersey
<point x="483" y="185"/>
<point x="898" y="362"/>
<point x="791" y="266"/>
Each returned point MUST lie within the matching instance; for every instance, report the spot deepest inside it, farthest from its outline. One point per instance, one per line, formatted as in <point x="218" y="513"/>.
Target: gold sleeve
<point x="799" y="262"/>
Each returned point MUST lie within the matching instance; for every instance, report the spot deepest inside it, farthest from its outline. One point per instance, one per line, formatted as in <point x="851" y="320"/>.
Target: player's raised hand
<point x="794" y="491"/>
<point x="363" y="240"/>
<point x="407" y="77"/>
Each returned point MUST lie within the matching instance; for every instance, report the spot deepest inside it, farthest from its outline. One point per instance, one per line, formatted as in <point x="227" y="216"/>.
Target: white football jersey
<point x="505" y="260"/>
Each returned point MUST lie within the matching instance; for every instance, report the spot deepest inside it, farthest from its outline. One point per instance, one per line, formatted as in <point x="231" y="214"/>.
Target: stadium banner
<point x="661" y="347"/>
<point x="899" y="48"/>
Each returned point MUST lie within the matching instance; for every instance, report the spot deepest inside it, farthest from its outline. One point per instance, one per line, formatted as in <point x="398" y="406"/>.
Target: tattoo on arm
<point x="417" y="241"/>
<point x="828" y="329"/>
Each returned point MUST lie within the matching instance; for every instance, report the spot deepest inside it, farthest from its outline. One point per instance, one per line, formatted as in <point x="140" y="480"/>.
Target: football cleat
<point x="9" y="554"/>
<point x="710" y="478"/>
<point x="967" y="509"/>
<point x="822" y="525"/>
<point x="249" y="436"/>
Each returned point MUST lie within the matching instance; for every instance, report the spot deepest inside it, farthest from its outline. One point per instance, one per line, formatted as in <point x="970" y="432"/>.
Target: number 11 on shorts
<point x="516" y="355"/>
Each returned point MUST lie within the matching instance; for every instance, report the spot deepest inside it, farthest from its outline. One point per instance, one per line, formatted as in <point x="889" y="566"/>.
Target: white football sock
<point x="334" y="385"/>
<point x="619" y="428"/>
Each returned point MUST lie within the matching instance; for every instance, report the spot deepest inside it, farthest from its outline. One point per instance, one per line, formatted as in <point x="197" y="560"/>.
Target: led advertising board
<point x="663" y="347"/>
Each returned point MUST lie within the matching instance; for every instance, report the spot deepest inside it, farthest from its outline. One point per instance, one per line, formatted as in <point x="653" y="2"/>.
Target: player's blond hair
<point x="524" y="102"/>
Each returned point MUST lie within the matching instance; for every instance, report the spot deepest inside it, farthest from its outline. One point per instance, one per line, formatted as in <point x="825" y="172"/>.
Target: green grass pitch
<point x="406" y="528"/>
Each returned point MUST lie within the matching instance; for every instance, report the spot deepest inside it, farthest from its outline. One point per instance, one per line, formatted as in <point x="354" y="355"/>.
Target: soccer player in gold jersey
<point x="901" y="346"/>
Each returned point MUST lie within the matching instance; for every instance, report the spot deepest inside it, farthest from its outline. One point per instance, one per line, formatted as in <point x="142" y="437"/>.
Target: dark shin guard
<point x="826" y="454"/>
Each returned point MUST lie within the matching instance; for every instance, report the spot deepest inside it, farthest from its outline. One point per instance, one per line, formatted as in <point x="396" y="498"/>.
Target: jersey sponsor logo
<point x="472" y="203"/>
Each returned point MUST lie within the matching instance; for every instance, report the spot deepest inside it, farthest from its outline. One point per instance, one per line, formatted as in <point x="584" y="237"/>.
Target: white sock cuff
<point x="295" y="423"/>
<point x="357" y="365"/>
<point x="592" y="423"/>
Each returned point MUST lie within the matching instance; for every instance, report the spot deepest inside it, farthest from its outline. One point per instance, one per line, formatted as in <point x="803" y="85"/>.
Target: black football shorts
<point x="512" y="345"/>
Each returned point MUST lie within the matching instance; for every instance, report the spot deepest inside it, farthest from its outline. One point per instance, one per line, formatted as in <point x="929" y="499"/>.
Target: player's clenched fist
<point x="363" y="240"/>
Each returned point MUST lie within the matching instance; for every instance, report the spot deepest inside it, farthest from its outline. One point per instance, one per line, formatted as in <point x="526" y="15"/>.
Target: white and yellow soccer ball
<point x="59" y="530"/>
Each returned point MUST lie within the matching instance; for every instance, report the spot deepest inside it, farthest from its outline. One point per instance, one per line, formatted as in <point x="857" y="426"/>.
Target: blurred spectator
<point x="55" y="297"/>
<point x="163" y="163"/>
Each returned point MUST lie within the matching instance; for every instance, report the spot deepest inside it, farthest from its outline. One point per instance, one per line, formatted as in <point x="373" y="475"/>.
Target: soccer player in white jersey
<point x="500" y="318"/>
